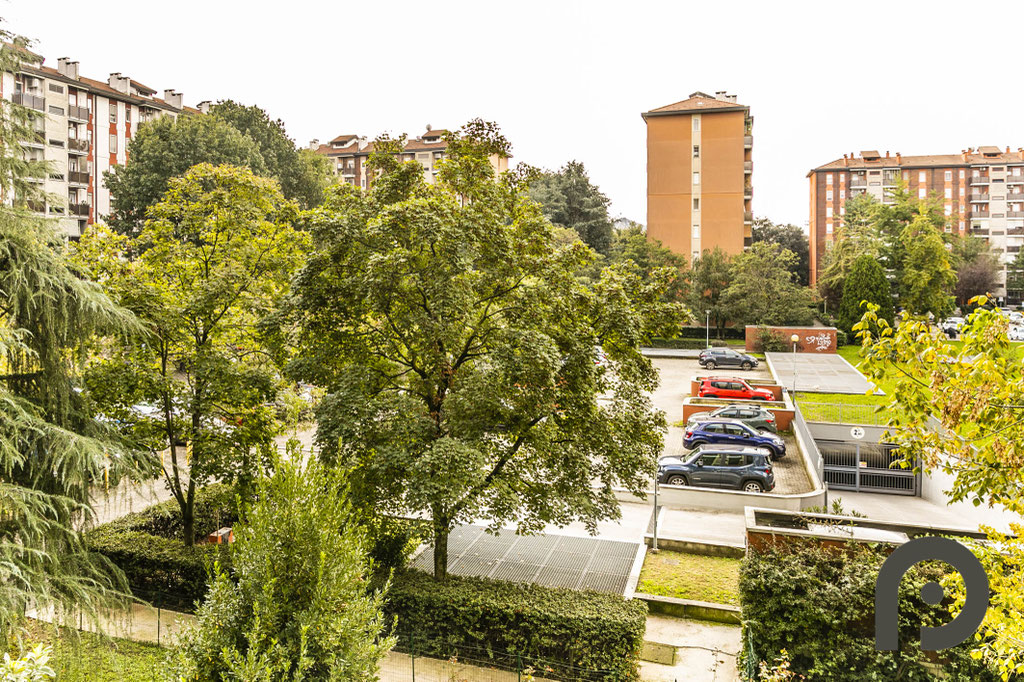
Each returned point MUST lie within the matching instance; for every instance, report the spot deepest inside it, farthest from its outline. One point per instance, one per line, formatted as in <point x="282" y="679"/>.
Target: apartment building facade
<point x="83" y="130"/>
<point x="981" y="191"/>
<point x="699" y="174"/>
<point x="348" y="155"/>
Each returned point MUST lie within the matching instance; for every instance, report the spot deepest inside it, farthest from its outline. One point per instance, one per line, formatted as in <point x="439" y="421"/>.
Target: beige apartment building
<point x="348" y="155"/>
<point x="981" y="191"/>
<point x="699" y="171"/>
<point x="84" y="129"/>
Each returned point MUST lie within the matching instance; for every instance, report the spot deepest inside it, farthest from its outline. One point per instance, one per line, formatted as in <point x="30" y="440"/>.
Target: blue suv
<point x="720" y="466"/>
<point x="731" y="432"/>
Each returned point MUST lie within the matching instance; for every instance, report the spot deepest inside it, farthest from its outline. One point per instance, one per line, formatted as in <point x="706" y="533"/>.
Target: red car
<point x="732" y="389"/>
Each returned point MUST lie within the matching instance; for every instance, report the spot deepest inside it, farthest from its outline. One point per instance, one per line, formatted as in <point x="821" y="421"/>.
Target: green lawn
<point x="691" y="576"/>
<point x="83" y="656"/>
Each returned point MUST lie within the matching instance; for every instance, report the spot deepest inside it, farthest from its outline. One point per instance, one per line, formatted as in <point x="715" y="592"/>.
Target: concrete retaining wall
<point x="783" y="414"/>
<point x="776" y="389"/>
<point x="688" y="608"/>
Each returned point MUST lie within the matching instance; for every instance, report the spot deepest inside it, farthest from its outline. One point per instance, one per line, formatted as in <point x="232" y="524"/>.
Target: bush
<point x="842" y="339"/>
<point x="563" y="628"/>
<point x="715" y="343"/>
<point x="701" y="332"/>
<point x="690" y="344"/>
<point x="770" y="341"/>
<point x="147" y="547"/>
<point x="818" y="605"/>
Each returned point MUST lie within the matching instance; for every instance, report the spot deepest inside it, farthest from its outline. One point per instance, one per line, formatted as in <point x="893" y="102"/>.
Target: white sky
<point x="568" y="79"/>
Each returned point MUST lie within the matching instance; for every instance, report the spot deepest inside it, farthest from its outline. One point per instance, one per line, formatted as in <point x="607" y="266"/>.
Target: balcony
<point x="36" y="206"/>
<point x="980" y="230"/>
<point x="858" y="182"/>
<point x="38" y="140"/>
<point x="78" y="113"/>
<point x="76" y="146"/>
<point x="31" y="101"/>
<point x="748" y="217"/>
<point x="748" y="141"/>
<point x="748" y="192"/>
<point x="81" y="210"/>
<point x="979" y="196"/>
<point x="1015" y="230"/>
<point x="979" y="180"/>
<point x="1012" y="249"/>
<point x="1015" y="214"/>
<point x="1015" y="196"/>
<point x="748" y="166"/>
<point x="1015" y="179"/>
<point x="78" y="177"/>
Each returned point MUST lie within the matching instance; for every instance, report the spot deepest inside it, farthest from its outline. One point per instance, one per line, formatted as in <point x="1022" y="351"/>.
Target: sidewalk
<point x="705" y="651"/>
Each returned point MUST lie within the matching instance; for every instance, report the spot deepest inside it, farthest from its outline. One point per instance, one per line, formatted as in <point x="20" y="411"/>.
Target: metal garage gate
<point x="867" y="467"/>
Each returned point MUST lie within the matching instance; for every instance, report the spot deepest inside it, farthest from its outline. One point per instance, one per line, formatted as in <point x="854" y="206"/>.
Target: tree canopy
<point x="792" y="239"/>
<point x="762" y="291"/>
<point x="459" y="346"/>
<point x="569" y="199"/>
<point x="865" y="283"/>
<point x="650" y="256"/>
<point x="927" y="277"/>
<point x="710" y="276"/>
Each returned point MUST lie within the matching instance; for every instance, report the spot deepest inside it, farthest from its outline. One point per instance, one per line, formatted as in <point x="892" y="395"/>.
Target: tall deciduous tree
<point x="762" y="290"/>
<point x="650" y="256"/>
<point x="710" y="276"/>
<point x="857" y="234"/>
<point x="459" y="345"/>
<point x="973" y="391"/>
<point x="865" y="283"/>
<point x="927" y="278"/>
<point x="977" y="269"/>
<point x="791" y="238"/>
<point x="570" y="200"/>
<point x="213" y="260"/>
<point x="302" y="173"/>
<point x="1015" y="278"/>
<point x="295" y="604"/>
<point x="52" y="451"/>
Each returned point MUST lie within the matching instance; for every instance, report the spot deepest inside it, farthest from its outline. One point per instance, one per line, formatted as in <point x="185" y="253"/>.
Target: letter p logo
<point x="887" y="593"/>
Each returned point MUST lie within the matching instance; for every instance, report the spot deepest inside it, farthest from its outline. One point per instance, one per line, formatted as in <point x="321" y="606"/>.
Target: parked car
<point x="1016" y="333"/>
<point x="753" y="416"/>
<point x="731" y="432"/>
<point x="732" y="388"/>
<point x="715" y="466"/>
<point x="951" y="326"/>
<point x="710" y="358"/>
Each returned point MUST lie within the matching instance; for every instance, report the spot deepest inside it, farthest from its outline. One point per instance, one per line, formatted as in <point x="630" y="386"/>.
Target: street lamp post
<point x="794" y="338"/>
<point x="707" y="329"/>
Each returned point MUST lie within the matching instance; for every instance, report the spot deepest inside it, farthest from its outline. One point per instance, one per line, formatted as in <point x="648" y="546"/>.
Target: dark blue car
<point x="731" y="432"/>
<point x="720" y="466"/>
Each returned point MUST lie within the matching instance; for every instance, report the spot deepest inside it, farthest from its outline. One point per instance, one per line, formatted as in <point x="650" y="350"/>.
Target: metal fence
<point x="839" y="413"/>
<point x="868" y="467"/>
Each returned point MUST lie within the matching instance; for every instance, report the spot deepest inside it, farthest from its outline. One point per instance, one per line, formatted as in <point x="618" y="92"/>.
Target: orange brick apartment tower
<point x="698" y="174"/>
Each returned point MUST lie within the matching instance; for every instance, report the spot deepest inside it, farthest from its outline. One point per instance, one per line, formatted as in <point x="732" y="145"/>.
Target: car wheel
<point x="677" y="480"/>
<point x="709" y="365"/>
<point x="747" y="366"/>
<point x="758" y="397"/>
<point x="698" y="443"/>
<point x="776" y="453"/>
<point x="753" y="487"/>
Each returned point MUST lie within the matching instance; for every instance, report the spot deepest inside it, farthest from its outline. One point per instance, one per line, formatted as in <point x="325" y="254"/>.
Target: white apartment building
<point x="85" y="130"/>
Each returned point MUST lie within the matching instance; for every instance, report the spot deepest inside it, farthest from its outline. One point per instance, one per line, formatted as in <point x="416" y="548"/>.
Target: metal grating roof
<point x="549" y="560"/>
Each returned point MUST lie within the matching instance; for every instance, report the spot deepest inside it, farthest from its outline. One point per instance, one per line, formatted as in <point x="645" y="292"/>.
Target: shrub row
<point x="573" y="633"/>
<point x="147" y="546"/>
<point x="700" y="332"/>
<point x="818" y="604"/>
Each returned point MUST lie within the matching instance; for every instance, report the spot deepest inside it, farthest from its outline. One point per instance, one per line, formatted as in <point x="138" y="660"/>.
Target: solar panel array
<point x="550" y="560"/>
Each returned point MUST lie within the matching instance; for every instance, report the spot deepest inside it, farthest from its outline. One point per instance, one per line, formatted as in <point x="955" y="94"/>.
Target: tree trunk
<point x="188" y="515"/>
<point x="440" y="550"/>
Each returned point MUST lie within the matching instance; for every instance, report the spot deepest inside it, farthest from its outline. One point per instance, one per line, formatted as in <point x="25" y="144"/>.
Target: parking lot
<point x="790" y="474"/>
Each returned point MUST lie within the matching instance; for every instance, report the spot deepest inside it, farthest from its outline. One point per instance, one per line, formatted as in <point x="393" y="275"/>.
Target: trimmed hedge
<point x="572" y="632"/>
<point x="147" y="546"/>
<point x="819" y="603"/>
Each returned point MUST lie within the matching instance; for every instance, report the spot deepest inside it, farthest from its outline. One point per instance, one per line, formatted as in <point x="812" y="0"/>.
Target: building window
<point x="696" y="151"/>
<point x="961" y="226"/>
<point x="113" y="144"/>
<point x="842" y="210"/>
<point x="59" y="89"/>
<point x="696" y="203"/>
<point x="113" y="113"/>
<point x="949" y="192"/>
<point x="828" y="195"/>
<point x="962" y="174"/>
<point x="842" y="194"/>
<point x="56" y="111"/>
<point x="922" y="193"/>
<point x="696" y="177"/>
<point x="696" y="123"/>
<point x="828" y="228"/>
<point x="696" y="231"/>
<point x="127" y="113"/>
<point x="949" y="210"/>
<point x="949" y="176"/>
<point x="961" y="191"/>
<point x="828" y="179"/>
<point x="828" y="211"/>
<point x="921" y="176"/>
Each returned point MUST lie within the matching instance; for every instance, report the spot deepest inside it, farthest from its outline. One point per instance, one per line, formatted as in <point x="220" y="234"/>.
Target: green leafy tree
<point x="295" y="605"/>
<point x="977" y="269"/>
<point x="791" y="238"/>
<point x="650" y="256"/>
<point x="52" y="450"/>
<point x="956" y="408"/>
<point x="570" y="200"/>
<point x="302" y="173"/>
<point x="213" y="261"/>
<point x="927" y="278"/>
<point x="709" y="278"/>
<point x="1015" y="278"/>
<point x="857" y="235"/>
<point x="762" y="290"/>
<point x="866" y="282"/>
<point x="166" y="148"/>
<point x="458" y="344"/>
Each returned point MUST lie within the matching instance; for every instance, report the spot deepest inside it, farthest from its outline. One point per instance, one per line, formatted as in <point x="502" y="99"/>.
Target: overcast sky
<point x="568" y="80"/>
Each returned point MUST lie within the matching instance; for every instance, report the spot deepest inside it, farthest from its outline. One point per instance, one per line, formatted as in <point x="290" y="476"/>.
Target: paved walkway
<point x="824" y="373"/>
<point x="906" y="509"/>
<point x="670" y="353"/>
<point x="705" y="651"/>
